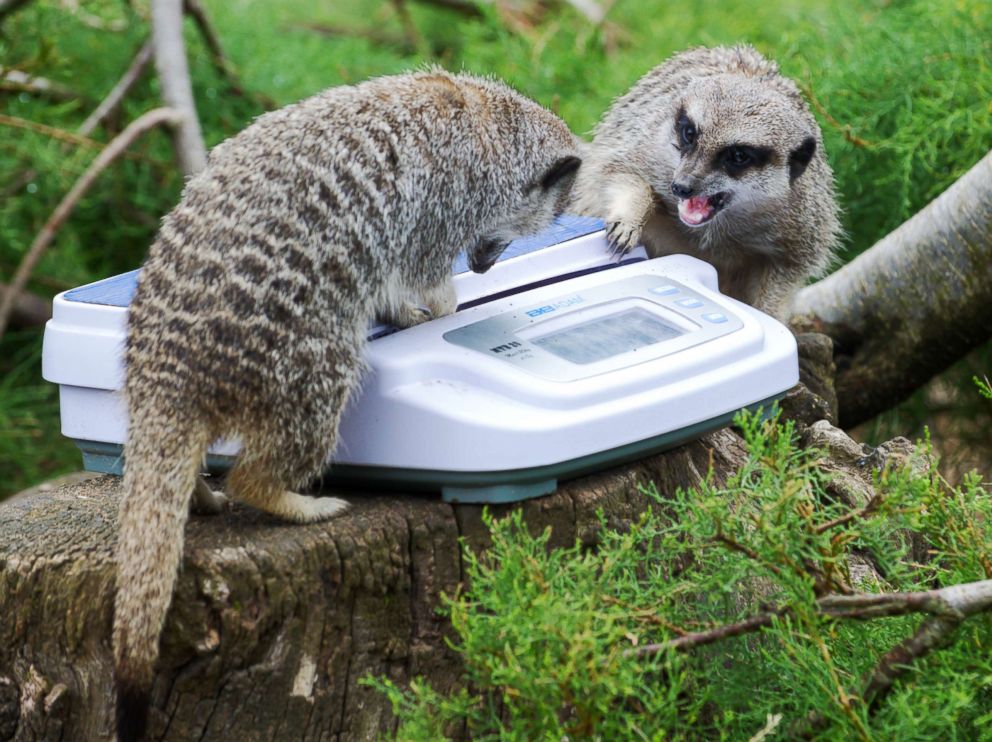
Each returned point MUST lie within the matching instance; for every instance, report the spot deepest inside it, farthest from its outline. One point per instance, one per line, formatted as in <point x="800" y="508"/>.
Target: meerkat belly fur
<point x="715" y="154"/>
<point x="251" y="311"/>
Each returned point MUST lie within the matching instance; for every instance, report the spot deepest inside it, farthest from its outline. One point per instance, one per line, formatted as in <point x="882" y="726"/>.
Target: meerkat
<point x="252" y="309"/>
<point x="715" y="154"/>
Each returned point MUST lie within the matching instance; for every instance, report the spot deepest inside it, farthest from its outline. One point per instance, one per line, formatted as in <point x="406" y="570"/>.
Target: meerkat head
<point x="541" y="200"/>
<point x="742" y="145"/>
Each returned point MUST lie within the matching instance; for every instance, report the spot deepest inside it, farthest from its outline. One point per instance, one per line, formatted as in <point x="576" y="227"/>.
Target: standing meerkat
<point x="715" y="154"/>
<point x="251" y="311"/>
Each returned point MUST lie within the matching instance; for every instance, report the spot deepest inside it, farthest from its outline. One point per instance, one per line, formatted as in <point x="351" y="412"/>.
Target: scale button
<point x="689" y="302"/>
<point x="715" y="317"/>
<point x="666" y="290"/>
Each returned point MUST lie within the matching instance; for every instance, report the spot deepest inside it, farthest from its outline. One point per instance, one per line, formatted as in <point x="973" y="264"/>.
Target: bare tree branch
<point x="109" y="104"/>
<point x="177" y="91"/>
<point x="375" y="35"/>
<point x="913" y="304"/>
<point x="117" y="146"/>
<point x="955" y="602"/>
<point x="30" y="310"/>
<point x="932" y="634"/>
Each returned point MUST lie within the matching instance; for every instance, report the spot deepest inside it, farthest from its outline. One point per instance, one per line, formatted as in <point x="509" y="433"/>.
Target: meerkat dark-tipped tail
<point x="161" y="465"/>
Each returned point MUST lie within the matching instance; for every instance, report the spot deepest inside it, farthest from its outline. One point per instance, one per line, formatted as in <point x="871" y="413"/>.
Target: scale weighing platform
<point x="559" y="362"/>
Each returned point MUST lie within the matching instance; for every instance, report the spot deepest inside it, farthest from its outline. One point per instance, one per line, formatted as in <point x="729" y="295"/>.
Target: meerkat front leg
<point x="628" y="203"/>
<point x="400" y="308"/>
<point x="441" y="299"/>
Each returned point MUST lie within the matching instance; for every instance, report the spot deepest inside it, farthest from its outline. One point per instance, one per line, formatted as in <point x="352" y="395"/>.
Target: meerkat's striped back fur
<point x="714" y="153"/>
<point x="251" y="311"/>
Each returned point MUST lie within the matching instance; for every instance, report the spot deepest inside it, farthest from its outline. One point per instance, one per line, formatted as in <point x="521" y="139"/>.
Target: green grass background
<point x="903" y="90"/>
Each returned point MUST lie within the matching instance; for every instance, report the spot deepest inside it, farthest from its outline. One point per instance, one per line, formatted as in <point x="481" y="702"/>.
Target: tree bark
<point x="272" y="625"/>
<point x="177" y="90"/>
<point x="913" y="304"/>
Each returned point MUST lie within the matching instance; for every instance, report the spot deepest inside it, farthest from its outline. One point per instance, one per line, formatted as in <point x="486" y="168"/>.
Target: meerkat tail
<point x="160" y="473"/>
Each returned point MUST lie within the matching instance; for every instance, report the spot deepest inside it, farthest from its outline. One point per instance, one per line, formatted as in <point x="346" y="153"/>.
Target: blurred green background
<point x="902" y="89"/>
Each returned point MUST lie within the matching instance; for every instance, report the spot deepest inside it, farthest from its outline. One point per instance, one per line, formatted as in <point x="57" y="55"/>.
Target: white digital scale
<point x="559" y="362"/>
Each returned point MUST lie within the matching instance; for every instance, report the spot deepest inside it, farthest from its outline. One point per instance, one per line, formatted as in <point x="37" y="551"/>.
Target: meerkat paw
<point x="409" y="315"/>
<point x="303" y="509"/>
<point x="622" y="237"/>
<point x="441" y="300"/>
<point x="207" y="501"/>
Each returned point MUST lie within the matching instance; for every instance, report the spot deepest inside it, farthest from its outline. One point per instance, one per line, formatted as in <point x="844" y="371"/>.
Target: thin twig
<point x="413" y="36"/>
<point x="60" y="134"/>
<point x="844" y="129"/>
<point x="113" y="150"/>
<point x="222" y="64"/>
<point x="109" y="104"/>
<point x="701" y="638"/>
<point x="18" y="81"/>
<point x="375" y="35"/>
<point x="843" y="697"/>
<point x="51" y="131"/>
<point x="459" y="6"/>
<point x="870" y="507"/>
<point x="735" y="545"/>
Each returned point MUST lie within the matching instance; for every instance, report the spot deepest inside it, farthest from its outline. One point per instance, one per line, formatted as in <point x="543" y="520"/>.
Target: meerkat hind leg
<point x="250" y="484"/>
<point x="300" y="508"/>
<point x="205" y="500"/>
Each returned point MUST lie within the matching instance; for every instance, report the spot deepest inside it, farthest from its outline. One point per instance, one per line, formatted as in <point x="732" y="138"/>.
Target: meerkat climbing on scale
<point x="251" y="312"/>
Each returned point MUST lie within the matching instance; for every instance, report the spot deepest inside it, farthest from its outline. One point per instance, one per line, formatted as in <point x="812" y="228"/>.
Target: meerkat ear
<point x="799" y="157"/>
<point x="561" y="169"/>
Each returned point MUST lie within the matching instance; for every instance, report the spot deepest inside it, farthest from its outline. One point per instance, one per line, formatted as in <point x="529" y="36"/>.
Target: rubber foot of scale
<point x="498" y="493"/>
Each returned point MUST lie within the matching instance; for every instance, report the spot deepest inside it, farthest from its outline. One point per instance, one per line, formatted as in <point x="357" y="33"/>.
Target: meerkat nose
<point x="681" y="190"/>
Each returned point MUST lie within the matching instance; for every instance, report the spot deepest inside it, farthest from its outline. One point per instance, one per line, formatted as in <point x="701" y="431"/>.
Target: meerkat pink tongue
<point x="696" y="210"/>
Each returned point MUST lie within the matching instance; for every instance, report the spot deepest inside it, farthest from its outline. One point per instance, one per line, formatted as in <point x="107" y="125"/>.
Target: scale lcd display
<point x="605" y="337"/>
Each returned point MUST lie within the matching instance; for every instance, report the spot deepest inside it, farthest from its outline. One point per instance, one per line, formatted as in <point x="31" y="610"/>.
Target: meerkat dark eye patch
<point x="800" y="157"/>
<point x="686" y="131"/>
<point x="563" y="168"/>
<point x="737" y="158"/>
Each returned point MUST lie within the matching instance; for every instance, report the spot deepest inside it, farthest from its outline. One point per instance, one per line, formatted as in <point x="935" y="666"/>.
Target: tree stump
<point x="272" y="625"/>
